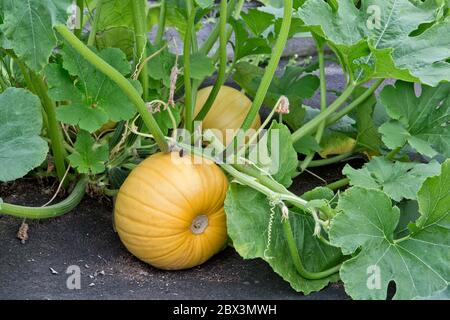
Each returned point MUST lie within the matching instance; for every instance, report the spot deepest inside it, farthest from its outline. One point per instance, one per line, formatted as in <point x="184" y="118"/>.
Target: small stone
<point x="86" y="266"/>
<point x="91" y="284"/>
<point x="102" y="272"/>
<point x="53" y="271"/>
<point x="246" y="283"/>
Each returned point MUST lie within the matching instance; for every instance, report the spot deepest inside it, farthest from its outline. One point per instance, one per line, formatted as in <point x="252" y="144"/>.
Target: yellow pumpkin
<point x="169" y="211"/>
<point x="227" y="112"/>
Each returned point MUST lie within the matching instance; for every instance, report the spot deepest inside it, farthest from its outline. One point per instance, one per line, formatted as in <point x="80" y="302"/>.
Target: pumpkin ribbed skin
<point x="169" y="211"/>
<point x="227" y="112"/>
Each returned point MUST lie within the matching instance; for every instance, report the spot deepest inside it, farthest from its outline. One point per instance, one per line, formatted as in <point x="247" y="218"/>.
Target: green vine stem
<point x="338" y="184"/>
<point x="323" y="102"/>
<point x="140" y="20"/>
<point x="94" y="25"/>
<point x="188" y="107"/>
<point x="79" y="29"/>
<point x="271" y="67"/>
<point x="120" y="80"/>
<point x="312" y="125"/>
<point x="297" y="260"/>
<point x="223" y="63"/>
<point x="331" y="160"/>
<point x="362" y="98"/>
<point x="53" y="127"/>
<point x="161" y="22"/>
<point x="393" y="153"/>
<point x="215" y="32"/>
<point x="51" y="211"/>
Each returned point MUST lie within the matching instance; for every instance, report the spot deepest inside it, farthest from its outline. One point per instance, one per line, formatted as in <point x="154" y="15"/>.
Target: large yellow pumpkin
<point x="227" y="112"/>
<point x="169" y="211"/>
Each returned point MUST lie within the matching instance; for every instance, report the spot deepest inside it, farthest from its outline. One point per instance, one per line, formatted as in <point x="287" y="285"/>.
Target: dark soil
<point x="85" y="237"/>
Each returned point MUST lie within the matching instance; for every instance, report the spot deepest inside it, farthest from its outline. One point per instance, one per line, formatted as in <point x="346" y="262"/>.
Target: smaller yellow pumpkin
<point x="227" y="112"/>
<point x="169" y="211"/>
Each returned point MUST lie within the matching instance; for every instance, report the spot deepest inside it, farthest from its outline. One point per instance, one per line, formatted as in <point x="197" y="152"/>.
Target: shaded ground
<point x="85" y="237"/>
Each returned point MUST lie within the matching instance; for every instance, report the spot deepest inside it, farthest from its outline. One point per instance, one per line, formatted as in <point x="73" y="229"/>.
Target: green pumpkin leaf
<point x="161" y="65"/>
<point x="90" y="156"/>
<point x="28" y="28"/>
<point x="375" y="40"/>
<point x="117" y="37"/>
<point x="422" y="122"/>
<point x="285" y="160"/>
<point x="306" y="145"/>
<point x="399" y="180"/>
<point x="21" y="147"/>
<point x="368" y="138"/>
<point x="244" y="44"/>
<point x="202" y="66"/>
<point x="249" y="215"/>
<point x="93" y="99"/>
<point x="257" y="21"/>
<point x="295" y="84"/>
<point x="115" y="13"/>
<point x="335" y="143"/>
<point x="204" y="3"/>
<point x="418" y="263"/>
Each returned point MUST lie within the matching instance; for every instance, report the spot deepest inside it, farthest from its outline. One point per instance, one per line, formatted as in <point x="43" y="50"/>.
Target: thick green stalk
<point x="120" y="80"/>
<point x="188" y="108"/>
<point x="53" y="127"/>
<point x="161" y="22"/>
<point x="297" y="260"/>
<point x="271" y="67"/>
<point x="338" y="115"/>
<point x="139" y="18"/>
<point x="312" y="125"/>
<point x="94" y="25"/>
<point x="80" y="7"/>
<point x="393" y="153"/>
<point x="338" y="184"/>
<point x="51" y="211"/>
<point x="222" y="66"/>
<point x="190" y="7"/>
<point x="323" y="103"/>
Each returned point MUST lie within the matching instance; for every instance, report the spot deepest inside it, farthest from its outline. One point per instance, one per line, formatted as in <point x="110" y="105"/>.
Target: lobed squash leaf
<point x="21" y="147"/>
<point x="28" y="28"/>
<point x="90" y="156"/>
<point x="377" y="40"/>
<point x="417" y="263"/>
<point x="399" y="180"/>
<point x="420" y="121"/>
<point x="92" y="99"/>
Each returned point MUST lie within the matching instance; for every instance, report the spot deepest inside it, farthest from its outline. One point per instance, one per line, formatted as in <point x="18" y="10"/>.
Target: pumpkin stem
<point x="199" y="224"/>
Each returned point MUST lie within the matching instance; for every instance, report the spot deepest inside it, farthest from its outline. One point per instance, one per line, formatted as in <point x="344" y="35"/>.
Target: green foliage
<point x="397" y="179"/>
<point x="28" y="28"/>
<point x="251" y="223"/>
<point x="91" y="98"/>
<point x="90" y="156"/>
<point x="295" y="84"/>
<point x="418" y="263"/>
<point x="420" y="121"/>
<point x="21" y="147"/>
<point x="375" y="41"/>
